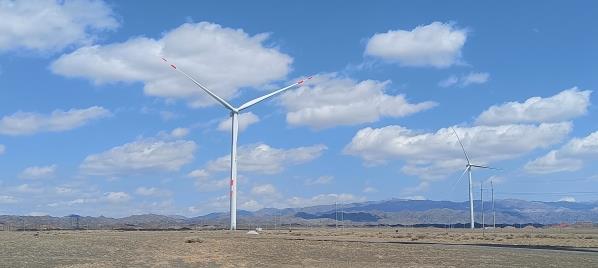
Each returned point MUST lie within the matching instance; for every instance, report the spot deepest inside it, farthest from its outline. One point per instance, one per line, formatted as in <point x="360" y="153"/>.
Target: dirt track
<point x="299" y="248"/>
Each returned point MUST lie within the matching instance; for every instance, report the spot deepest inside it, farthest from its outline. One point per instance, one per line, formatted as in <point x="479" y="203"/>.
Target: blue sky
<point x="93" y="122"/>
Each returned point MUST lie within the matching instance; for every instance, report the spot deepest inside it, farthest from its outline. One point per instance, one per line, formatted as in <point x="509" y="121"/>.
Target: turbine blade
<point x="262" y="98"/>
<point x="460" y="143"/>
<point x="478" y="166"/>
<point x="220" y="100"/>
<point x="459" y="180"/>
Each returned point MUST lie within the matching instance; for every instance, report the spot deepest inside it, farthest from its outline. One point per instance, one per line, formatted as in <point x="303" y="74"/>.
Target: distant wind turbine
<point x="468" y="168"/>
<point x="234" y="114"/>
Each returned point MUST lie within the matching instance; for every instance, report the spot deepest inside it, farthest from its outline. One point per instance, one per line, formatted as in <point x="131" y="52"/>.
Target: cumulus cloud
<point x="117" y="197"/>
<point x="436" y="154"/>
<point x="436" y="44"/>
<point x="465" y="80"/>
<point x="567" y="199"/>
<point x="245" y="120"/>
<point x="152" y="191"/>
<point x="267" y="190"/>
<point x="563" y="106"/>
<point x="51" y="25"/>
<point x="223" y="59"/>
<point x="319" y="180"/>
<point x="64" y="190"/>
<point x="269" y="196"/>
<point x="323" y="199"/>
<point x="179" y="132"/>
<point x="26" y="123"/>
<point x="261" y="158"/>
<point x="415" y="197"/>
<point x="28" y="189"/>
<point x="205" y="184"/>
<point x="8" y="199"/>
<point x="570" y="157"/>
<point x="369" y="190"/>
<point x="145" y="155"/>
<point x="475" y="78"/>
<point x="176" y="133"/>
<point x="38" y="172"/>
<point x="329" y="100"/>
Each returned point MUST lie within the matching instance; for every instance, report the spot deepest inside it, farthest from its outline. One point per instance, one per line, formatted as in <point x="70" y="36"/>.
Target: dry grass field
<point x="302" y="248"/>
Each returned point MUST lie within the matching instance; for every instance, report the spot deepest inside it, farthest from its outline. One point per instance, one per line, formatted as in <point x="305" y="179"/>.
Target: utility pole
<point x="482" y="201"/>
<point x="343" y="216"/>
<point x="335" y="216"/>
<point x="493" y="211"/>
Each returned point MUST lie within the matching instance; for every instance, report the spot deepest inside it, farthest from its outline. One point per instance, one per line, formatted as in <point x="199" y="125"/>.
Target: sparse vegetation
<point x="357" y="247"/>
<point x="193" y="240"/>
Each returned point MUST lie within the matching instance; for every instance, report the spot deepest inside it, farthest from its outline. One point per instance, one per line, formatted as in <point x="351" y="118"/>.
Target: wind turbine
<point x="468" y="168"/>
<point x="234" y="114"/>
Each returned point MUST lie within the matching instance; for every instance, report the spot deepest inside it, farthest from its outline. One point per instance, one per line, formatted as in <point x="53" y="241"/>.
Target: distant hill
<point x="387" y="212"/>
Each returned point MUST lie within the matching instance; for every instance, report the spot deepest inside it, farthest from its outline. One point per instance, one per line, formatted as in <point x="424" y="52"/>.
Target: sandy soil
<point x="301" y="248"/>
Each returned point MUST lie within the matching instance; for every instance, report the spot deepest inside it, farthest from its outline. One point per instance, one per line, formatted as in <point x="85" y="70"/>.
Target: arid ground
<point x="373" y="247"/>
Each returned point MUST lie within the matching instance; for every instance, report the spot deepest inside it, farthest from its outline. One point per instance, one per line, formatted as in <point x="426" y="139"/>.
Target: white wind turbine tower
<point x="234" y="114"/>
<point x="468" y="168"/>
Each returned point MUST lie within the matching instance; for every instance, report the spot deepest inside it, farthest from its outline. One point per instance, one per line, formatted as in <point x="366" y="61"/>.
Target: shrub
<point x="193" y="240"/>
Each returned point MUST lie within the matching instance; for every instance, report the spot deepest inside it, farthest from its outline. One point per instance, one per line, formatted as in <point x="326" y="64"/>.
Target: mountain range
<point x="394" y="212"/>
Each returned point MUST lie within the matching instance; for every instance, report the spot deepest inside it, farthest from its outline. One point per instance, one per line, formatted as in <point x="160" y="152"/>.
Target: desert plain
<point x="319" y="247"/>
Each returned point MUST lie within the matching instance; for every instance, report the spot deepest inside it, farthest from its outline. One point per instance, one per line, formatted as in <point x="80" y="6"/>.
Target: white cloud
<point x="475" y="78"/>
<point x="7" y="199"/>
<point x="50" y="25"/>
<point x="152" y="191"/>
<point x="63" y="190"/>
<point x="117" y="197"/>
<point x="179" y="132"/>
<point x="434" y="155"/>
<point x="38" y="172"/>
<point x="223" y="59"/>
<point x="329" y="100"/>
<point x="570" y="157"/>
<point x="563" y="106"/>
<point x="204" y="184"/>
<point x="449" y="81"/>
<point x="199" y="173"/>
<point x="28" y="189"/>
<point x="421" y="187"/>
<point x="323" y="199"/>
<point x="176" y="133"/>
<point x="37" y="214"/>
<point x="264" y="194"/>
<point x="567" y="199"/>
<point x="549" y="163"/>
<point x="140" y="156"/>
<point x="465" y="80"/>
<point x="436" y="44"/>
<point x="261" y="158"/>
<point x="369" y="190"/>
<point x="2" y="149"/>
<point x="251" y="205"/>
<point x="25" y="123"/>
<point x="495" y="180"/>
<point x="264" y="190"/>
<point x="319" y="180"/>
<point x="416" y="197"/>
<point x="245" y="120"/>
